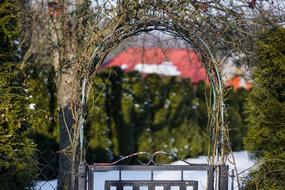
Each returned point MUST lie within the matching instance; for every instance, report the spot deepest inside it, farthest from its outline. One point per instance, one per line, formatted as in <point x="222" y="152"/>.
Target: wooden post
<point x="223" y="177"/>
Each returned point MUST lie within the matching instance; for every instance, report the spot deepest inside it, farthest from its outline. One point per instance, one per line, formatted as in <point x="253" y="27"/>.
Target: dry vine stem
<point x="79" y="39"/>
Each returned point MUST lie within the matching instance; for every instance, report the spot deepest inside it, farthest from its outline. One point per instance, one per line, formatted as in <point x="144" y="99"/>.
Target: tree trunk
<point x="66" y="122"/>
<point x="67" y="97"/>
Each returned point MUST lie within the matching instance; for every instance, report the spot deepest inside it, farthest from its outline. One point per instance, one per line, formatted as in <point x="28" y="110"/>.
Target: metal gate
<point x="153" y="184"/>
<point x="217" y="175"/>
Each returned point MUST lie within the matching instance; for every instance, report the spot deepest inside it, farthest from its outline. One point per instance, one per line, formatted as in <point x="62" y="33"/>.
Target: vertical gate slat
<point x="183" y="187"/>
<point x="195" y="186"/>
<point x="151" y="187"/>
<point x="166" y="187"/>
<point x="119" y="187"/>
<point x="136" y="187"/>
<point x="107" y="186"/>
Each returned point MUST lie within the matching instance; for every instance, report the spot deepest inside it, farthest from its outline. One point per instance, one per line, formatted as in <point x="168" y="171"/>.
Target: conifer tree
<point x="266" y="113"/>
<point x="43" y="121"/>
<point x="144" y="114"/>
<point x="16" y="149"/>
<point x="150" y="113"/>
<point x="235" y="99"/>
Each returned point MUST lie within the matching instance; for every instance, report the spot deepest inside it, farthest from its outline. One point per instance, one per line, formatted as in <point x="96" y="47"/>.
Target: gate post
<point x="211" y="178"/>
<point x="90" y="178"/>
<point x="223" y="177"/>
<point x="82" y="176"/>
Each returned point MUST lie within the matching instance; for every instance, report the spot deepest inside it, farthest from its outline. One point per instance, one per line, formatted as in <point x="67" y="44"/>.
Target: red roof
<point x="172" y="62"/>
<point x="238" y="82"/>
<point x="184" y="63"/>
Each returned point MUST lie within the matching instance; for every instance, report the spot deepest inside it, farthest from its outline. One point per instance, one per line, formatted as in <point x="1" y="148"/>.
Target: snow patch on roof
<point x="165" y="68"/>
<point x="124" y="66"/>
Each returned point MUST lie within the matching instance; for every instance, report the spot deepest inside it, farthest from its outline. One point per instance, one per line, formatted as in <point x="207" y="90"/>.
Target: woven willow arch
<point x="211" y="65"/>
<point x="203" y="25"/>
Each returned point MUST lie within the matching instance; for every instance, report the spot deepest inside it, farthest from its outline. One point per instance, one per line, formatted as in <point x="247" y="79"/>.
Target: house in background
<point x="236" y="76"/>
<point x="184" y="63"/>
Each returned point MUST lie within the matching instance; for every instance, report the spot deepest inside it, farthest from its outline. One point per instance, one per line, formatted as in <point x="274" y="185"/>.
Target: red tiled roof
<point x="180" y="62"/>
<point x="184" y="63"/>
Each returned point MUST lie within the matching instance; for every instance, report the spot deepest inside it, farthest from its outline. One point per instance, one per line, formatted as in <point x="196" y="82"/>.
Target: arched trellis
<point x="211" y="65"/>
<point x="201" y="27"/>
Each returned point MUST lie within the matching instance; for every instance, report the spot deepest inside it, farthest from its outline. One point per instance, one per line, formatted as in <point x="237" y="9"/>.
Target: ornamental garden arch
<point x="202" y="25"/>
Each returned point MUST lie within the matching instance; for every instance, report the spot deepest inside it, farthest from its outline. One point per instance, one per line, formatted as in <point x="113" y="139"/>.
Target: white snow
<point x="124" y="66"/>
<point x="165" y="68"/>
<point x="241" y="158"/>
<point x="32" y="106"/>
<point x="46" y="185"/>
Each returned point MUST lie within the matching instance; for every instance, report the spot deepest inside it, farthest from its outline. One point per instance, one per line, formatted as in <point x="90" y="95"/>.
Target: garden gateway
<point x="188" y="21"/>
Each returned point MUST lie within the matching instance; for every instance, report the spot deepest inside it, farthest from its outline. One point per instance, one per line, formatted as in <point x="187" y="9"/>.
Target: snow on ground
<point x="242" y="163"/>
<point x="46" y="185"/>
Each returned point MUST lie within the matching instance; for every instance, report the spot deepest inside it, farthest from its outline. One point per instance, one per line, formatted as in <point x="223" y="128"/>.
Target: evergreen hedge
<point x="266" y="113"/>
<point x="135" y="113"/>
<point x="17" y="163"/>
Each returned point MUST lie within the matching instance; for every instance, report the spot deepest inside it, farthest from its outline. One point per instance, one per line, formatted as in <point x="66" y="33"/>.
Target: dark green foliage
<point x="43" y="120"/>
<point x="266" y="113"/>
<point x="130" y="113"/>
<point x="236" y="117"/>
<point x="17" y="163"/>
<point x="9" y="28"/>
